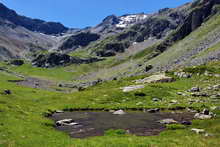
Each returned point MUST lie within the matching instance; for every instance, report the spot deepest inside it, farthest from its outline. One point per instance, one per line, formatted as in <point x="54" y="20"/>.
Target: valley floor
<point x="23" y="109"/>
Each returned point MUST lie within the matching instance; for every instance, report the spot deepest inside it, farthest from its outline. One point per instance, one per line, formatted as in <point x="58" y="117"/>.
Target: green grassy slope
<point x="22" y="122"/>
<point x="203" y="41"/>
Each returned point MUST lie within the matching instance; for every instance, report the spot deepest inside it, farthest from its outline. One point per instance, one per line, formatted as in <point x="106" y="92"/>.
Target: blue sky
<point x="82" y="13"/>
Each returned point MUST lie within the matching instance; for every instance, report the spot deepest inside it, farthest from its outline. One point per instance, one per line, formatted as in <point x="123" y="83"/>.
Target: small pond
<point x="135" y="122"/>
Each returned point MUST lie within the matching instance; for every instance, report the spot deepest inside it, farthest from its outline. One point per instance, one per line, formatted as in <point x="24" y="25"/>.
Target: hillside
<point x="131" y="81"/>
<point x="31" y="24"/>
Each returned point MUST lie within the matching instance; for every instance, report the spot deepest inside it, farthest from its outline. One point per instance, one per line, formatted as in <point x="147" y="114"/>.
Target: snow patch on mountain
<point x="129" y="20"/>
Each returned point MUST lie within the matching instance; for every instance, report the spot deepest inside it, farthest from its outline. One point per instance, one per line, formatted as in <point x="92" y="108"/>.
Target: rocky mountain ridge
<point x="35" y="25"/>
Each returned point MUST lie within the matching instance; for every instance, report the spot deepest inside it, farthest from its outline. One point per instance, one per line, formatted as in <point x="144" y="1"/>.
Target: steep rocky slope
<point x="195" y="42"/>
<point x="155" y="26"/>
<point x="31" y="24"/>
<point x="187" y="35"/>
<point x="111" y="25"/>
<point x="17" y="42"/>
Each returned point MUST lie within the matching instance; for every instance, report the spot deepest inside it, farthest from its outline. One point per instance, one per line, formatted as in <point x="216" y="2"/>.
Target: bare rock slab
<point x="132" y="88"/>
<point x="160" y="78"/>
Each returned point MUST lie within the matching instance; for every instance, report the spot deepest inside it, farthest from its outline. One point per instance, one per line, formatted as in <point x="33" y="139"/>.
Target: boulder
<point x="191" y="110"/>
<point x="132" y="88"/>
<point x="17" y="62"/>
<point x="183" y="74"/>
<point x="200" y="94"/>
<point x="59" y="111"/>
<point x="186" y="123"/>
<point x="205" y="114"/>
<point x="198" y="131"/>
<point x="148" y="68"/>
<point x="7" y="92"/>
<point x="216" y="87"/>
<point x="202" y="116"/>
<point x="155" y="79"/>
<point x="66" y="122"/>
<point x="205" y="111"/>
<point x="194" y="89"/>
<point x="168" y="121"/>
<point x="119" y="112"/>
<point x="153" y="110"/>
<point x="156" y="99"/>
<point x="181" y="93"/>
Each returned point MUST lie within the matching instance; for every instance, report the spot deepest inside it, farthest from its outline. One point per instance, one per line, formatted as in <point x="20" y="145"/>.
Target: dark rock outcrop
<point x="79" y="40"/>
<point x="111" y="49"/>
<point x="57" y="59"/>
<point x="110" y="20"/>
<point x="156" y="26"/>
<point x="17" y="62"/>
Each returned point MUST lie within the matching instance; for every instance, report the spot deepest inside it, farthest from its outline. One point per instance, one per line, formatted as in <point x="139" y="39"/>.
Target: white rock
<point x="119" y="112"/>
<point x="198" y="131"/>
<point x="202" y="116"/>
<point x="66" y="122"/>
<point x="59" y="111"/>
<point x="168" y="121"/>
<point x="132" y="88"/>
<point x="155" y="79"/>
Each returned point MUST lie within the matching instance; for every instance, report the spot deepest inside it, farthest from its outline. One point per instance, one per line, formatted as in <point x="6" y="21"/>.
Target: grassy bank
<point x="22" y="122"/>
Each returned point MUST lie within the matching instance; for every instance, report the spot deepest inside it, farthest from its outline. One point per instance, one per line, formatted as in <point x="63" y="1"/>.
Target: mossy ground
<point x="22" y="121"/>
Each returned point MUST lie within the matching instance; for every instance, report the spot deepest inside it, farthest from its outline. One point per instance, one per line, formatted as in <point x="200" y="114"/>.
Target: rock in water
<point x="153" y="110"/>
<point x="205" y="114"/>
<point x="66" y="122"/>
<point x="202" y="116"/>
<point x="168" y="121"/>
<point x="119" y="112"/>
